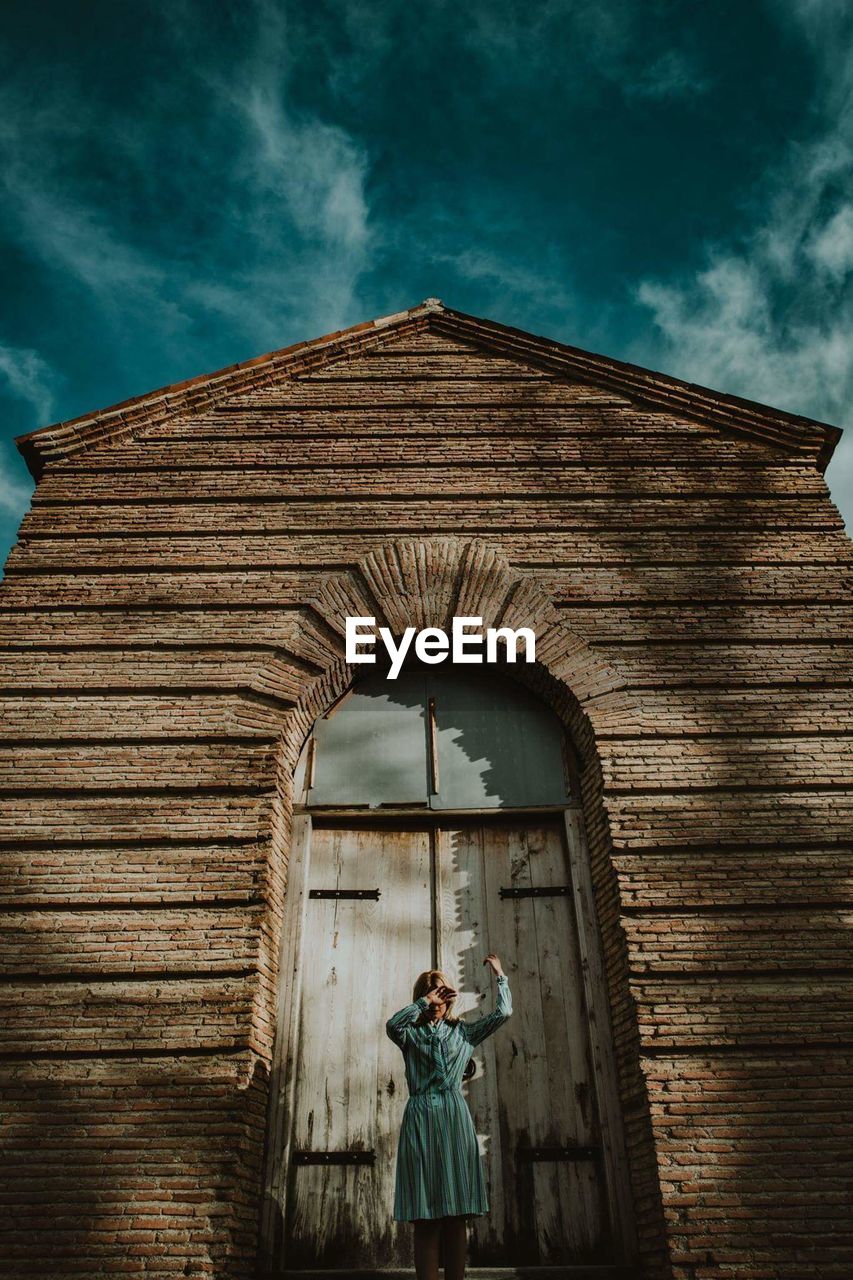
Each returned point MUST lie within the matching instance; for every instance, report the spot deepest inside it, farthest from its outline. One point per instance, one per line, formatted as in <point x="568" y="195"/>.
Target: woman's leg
<point x="427" y="1232"/>
<point x="455" y="1237"/>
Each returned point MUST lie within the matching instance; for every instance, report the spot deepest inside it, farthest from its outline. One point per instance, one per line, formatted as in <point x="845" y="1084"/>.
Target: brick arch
<point x="425" y="583"/>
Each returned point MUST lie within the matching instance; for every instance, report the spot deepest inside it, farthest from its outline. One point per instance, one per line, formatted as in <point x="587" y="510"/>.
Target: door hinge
<point x="333" y="1157"/>
<point x="557" y="1153"/>
<point x="344" y="893"/>
<point x="549" y="891"/>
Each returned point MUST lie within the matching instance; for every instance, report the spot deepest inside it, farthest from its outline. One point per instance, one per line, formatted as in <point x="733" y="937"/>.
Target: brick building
<point x="208" y="841"/>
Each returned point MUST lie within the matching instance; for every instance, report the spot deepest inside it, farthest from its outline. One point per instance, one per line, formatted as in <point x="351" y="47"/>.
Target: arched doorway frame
<point x="425" y="583"/>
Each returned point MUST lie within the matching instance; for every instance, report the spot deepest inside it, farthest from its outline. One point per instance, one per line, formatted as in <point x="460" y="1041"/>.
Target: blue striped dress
<point x="439" y="1168"/>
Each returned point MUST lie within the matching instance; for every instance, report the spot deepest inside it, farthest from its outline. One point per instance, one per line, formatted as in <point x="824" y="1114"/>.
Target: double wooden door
<point x="369" y="908"/>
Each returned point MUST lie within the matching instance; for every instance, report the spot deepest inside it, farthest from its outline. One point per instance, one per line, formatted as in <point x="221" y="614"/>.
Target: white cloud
<point x="127" y="283"/>
<point x="24" y="376"/>
<point x="28" y="377"/>
<point x="831" y="246"/>
<point x="540" y="288"/>
<point x="771" y="317"/>
<point x="312" y="170"/>
<point x="14" y="497"/>
<point x="299" y="196"/>
<point x="722" y="329"/>
<point x="268" y="225"/>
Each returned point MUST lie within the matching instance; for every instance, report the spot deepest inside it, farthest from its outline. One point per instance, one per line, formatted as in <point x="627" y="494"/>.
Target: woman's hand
<point x="494" y="963"/>
<point x="441" y="995"/>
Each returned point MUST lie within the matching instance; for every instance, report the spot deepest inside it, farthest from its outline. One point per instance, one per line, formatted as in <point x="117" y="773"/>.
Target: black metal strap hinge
<point x="333" y="1157"/>
<point x="549" y="891"/>
<point x="344" y="893"/>
<point x="557" y="1153"/>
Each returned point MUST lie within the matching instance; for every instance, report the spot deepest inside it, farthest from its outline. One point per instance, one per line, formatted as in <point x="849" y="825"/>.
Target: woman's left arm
<point x="475" y="1032"/>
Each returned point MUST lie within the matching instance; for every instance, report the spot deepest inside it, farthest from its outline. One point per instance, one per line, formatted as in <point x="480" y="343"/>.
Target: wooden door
<point x="447" y="893"/>
<point x="359" y="956"/>
<point x="505" y="887"/>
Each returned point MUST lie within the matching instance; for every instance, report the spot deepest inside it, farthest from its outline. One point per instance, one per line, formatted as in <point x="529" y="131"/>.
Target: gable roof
<point x="807" y="437"/>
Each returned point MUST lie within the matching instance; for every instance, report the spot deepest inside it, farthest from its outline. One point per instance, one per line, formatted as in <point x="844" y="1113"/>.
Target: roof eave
<point x="813" y="439"/>
<point x="70" y="435"/>
<point x="747" y="417"/>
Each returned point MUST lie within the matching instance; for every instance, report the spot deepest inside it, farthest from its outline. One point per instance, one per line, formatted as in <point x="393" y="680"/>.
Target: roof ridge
<point x="794" y="432"/>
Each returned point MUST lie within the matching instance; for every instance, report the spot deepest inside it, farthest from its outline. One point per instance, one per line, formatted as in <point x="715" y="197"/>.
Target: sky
<point x="184" y="185"/>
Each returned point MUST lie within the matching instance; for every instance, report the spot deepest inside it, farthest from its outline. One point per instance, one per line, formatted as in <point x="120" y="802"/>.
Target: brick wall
<point x="171" y="621"/>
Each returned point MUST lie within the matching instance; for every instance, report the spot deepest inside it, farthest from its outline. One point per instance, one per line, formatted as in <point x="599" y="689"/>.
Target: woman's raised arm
<point x="474" y="1032"/>
<point x="399" y="1022"/>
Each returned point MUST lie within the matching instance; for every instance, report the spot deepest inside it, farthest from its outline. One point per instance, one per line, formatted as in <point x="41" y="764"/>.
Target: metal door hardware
<point x="557" y="1153"/>
<point x="344" y="893"/>
<point x="333" y="1157"/>
<point x="549" y="891"/>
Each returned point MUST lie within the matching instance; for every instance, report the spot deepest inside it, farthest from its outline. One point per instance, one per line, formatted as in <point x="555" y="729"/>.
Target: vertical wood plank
<point x="465" y="941"/>
<point x="314" y="1219"/>
<point x="576" y="1184"/>
<point x="365" y="924"/>
<point x="620" y="1202"/>
<point x="530" y="1023"/>
<point x="283" y="1070"/>
<point x="405" y="950"/>
<point x="504" y="1053"/>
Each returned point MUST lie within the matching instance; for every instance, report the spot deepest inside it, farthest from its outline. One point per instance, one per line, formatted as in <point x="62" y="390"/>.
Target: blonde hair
<point x="428" y="981"/>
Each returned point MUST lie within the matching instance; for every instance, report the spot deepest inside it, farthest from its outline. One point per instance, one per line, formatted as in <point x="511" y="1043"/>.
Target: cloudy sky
<point x="188" y="184"/>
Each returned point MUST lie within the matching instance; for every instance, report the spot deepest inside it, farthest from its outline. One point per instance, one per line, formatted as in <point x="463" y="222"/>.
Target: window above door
<point x="436" y="739"/>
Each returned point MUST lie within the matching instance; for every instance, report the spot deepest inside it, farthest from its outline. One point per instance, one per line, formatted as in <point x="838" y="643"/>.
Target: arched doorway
<point x="437" y="818"/>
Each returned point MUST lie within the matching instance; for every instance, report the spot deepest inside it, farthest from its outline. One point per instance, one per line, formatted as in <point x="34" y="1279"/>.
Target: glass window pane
<point x="372" y="748"/>
<point x="499" y="746"/>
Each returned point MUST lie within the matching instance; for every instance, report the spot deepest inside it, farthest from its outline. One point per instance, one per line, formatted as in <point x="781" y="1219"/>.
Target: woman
<point x="439" y="1179"/>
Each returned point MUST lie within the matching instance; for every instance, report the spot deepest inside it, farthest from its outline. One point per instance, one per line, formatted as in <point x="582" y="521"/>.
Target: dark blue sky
<point x="186" y="185"/>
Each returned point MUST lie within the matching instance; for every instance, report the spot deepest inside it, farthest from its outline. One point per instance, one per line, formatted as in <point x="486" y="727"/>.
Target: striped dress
<point x="439" y="1168"/>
